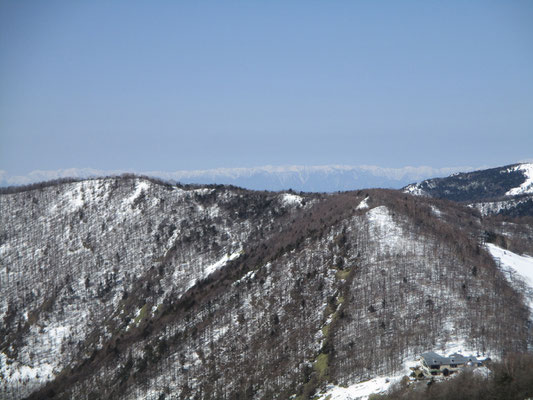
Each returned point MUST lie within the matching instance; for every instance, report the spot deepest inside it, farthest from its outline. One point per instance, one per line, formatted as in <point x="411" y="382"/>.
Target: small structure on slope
<point x="433" y="364"/>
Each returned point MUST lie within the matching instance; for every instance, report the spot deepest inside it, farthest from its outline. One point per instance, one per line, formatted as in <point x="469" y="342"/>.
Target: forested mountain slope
<point x="127" y="288"/>
<point x="504" y="190"/>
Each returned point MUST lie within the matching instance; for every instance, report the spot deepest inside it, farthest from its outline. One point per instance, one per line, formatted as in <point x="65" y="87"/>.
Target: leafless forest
<point x="129" y="287"/>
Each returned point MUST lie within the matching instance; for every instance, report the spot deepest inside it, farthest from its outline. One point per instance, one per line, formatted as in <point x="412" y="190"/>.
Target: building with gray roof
<point x="434" y="364"/>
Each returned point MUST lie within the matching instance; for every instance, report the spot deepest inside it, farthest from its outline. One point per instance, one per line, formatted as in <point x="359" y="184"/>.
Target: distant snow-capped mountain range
<point x="324" y="178"/>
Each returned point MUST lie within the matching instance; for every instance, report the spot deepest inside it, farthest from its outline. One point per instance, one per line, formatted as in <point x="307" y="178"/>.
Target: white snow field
<point x="527" y="186"/>
<point x="514" y="263"/>
<point x="289" y="199"/>
<point x="363" y="205"/>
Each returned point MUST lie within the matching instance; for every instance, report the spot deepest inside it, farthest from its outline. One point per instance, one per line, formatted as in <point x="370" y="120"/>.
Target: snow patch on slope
<point x="527" y="186"/>
<point x="76" y="200"/>
<point x="363" y="205"/>
<point x="514" y="263"/>
<point x="220" y="263"/>
<point x="415" y="190"/>
<point x="13" y="372"/>
<point x="496" y="207"/>
<point x="289" y="199"/>
<point x="385" y="230"/>
<point x="523" y="265"/>
<point x="360" y="390"/>
<point x="436" y="212"/>
<point x="78" y="195"/>
<point x="139" y="188"/>
<point x="208" y="270"/>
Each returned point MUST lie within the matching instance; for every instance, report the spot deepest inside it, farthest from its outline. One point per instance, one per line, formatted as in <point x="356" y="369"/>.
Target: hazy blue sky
<point x="176" y="85"/>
